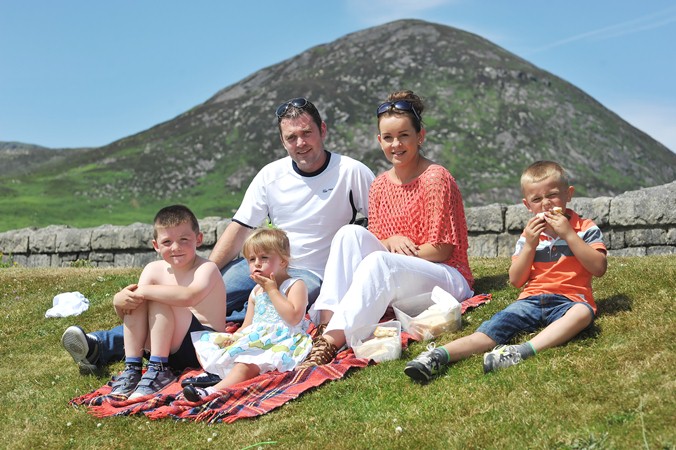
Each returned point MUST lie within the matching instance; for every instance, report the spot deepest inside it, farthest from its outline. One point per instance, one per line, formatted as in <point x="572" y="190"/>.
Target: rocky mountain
<point x="489" y="114"/>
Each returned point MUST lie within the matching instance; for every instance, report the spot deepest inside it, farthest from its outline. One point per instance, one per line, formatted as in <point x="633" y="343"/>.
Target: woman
<point x="417" y="236"/>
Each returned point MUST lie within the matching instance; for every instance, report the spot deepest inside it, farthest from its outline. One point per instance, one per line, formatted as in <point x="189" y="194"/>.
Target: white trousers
<point x="362" y="278"/>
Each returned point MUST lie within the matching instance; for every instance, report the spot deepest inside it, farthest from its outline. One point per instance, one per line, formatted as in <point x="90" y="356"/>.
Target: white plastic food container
<point x="426" y="316"/>
<point x="366" y="345"/>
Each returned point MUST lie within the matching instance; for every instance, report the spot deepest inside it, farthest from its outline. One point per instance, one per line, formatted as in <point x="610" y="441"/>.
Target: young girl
<point x="274" y="333"/>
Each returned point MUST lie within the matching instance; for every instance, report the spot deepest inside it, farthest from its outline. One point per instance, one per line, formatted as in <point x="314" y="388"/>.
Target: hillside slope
<point x="490" y="114"/>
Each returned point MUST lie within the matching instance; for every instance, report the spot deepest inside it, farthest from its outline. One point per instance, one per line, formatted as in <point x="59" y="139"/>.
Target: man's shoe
<point x="153" y="380"/>
<point x="80" y="345"/>
<point x="202" y="381"/>
<point x="425" y="366"/>
<point x="125" y="383"/>
<point x="501" y="357"/>
<point x="322" y="353"/>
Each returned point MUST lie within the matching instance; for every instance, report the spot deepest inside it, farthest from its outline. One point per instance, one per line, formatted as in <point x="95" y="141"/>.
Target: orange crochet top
<point x="429" y="209"/>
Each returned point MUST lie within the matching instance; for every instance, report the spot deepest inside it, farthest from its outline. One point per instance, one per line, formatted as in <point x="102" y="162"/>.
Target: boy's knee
<point x="581" y="313"/>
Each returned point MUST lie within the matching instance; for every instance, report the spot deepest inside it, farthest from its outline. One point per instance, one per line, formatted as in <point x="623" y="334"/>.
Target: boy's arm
<point x="593" y="260"/>
<point x="521" y="265"/>
<point x="204" y="279"/>
<point x="128" y="298"/>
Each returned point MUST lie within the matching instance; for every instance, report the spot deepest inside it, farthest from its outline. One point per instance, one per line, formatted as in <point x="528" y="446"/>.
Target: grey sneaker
<point x="425" y="365"/>
<point x="501" y="357"/>
<point x="79" y="345"/>
<point x="125" y="383"/>
<point x="153" y="381"/>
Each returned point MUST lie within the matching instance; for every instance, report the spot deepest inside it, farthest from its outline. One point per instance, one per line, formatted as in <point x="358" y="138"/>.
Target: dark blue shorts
<point x="528" y="314"/>
<point x="185" y="356"/>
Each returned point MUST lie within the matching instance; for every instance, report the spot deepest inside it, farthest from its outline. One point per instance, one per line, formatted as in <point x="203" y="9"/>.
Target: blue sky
<point x="76" y="73"/>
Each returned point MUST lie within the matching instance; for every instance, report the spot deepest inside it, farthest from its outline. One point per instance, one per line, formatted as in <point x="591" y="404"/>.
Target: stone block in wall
<point x="614" y="239"/>
<point x="506" y="244"/>
<point x="73" y="240"/>
<point x="485" y="245"/>
<point x="140" y="259"/>
<point x="671" y="236"/>
<point x="15" y="241"/>
<point x="102" y="257"/>
<point x="661" y="250"/>
<point x="596" y="209"/>
<point x="65" y="259"/>
<point x="20" y="260"/>
<point x="137" y="236"/>
<point x="208" y="227"/>
<point x="516" y="217"/>
<point x="222" y="225"/>
<point x="650" y="206"/>
<point x="43" y="240"/>
<point x="38" y="260"/>
<point x="483" y="219"/>
<point x="645" y="237"/>
<point x="629" y="251"/>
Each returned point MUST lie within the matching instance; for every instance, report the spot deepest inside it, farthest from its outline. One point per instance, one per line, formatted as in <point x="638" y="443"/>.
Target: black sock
<point x="92" y="348"/>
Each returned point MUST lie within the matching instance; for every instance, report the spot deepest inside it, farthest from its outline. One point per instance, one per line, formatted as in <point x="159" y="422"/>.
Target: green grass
<point x="612" y="387"/>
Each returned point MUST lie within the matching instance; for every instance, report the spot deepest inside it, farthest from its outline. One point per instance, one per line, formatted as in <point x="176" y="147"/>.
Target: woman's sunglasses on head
<point x="399" y="105"/>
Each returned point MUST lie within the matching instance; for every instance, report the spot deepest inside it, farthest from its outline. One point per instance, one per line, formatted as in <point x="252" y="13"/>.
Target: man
<point x="310" y="194"/>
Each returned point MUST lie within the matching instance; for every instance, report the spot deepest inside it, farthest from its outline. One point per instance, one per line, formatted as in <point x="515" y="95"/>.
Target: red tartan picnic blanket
<point x="251" y="398"/>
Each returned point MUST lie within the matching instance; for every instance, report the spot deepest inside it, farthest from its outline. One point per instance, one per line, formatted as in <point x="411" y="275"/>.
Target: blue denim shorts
<point x="528" y="314"/>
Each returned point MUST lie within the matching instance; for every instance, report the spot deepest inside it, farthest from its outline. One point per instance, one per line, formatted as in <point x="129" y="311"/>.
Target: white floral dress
<point x="269" y="342"/>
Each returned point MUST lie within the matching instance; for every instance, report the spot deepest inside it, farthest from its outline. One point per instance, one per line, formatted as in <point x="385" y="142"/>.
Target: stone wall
<point x="636" y="223"/>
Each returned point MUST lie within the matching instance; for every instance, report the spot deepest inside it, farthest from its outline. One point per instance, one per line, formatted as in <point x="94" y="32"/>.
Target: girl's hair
<point x="171" y="216"/>
<point x="415" y="101"/>
<point x="267" y="240"/>
<point x="541" y="170"/>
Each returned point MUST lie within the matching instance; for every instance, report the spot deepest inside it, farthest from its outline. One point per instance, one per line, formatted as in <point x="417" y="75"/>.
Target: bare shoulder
<point x="154" y="272"/>
<point x="205" y="264"/>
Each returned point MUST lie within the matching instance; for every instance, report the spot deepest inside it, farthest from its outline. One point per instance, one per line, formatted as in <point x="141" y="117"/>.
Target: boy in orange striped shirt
<point x="555" y="259"/>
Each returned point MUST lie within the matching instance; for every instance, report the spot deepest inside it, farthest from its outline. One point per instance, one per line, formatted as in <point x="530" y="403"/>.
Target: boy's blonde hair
<point x="542" y="170"/>
<point x="267" y="240"/>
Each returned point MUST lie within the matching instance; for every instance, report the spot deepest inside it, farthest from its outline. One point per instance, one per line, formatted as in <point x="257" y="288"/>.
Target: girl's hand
<point x="401" y="245"/>
<point x="268" y="284"/>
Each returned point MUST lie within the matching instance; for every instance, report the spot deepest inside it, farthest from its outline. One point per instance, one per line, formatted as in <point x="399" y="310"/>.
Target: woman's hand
<point x="401" y="245"/>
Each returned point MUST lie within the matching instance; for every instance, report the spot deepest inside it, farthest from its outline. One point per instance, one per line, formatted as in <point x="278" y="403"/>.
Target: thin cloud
<point x="648" y="22"/>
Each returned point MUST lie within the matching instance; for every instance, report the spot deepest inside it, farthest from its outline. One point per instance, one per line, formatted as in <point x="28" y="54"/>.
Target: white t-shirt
<point x="309" y="207"/>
